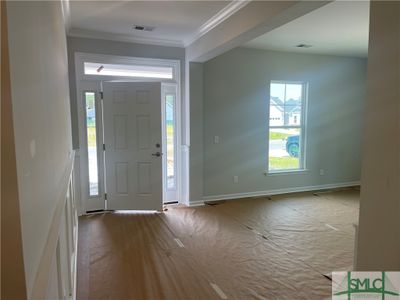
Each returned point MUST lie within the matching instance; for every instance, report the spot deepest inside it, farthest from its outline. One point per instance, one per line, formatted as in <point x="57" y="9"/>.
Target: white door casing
<point x="132" y="137"/>
<point x="93" y="83"/>
<point x="90" y="203"/>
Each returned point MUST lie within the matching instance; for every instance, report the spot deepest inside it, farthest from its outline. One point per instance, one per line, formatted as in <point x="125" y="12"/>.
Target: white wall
<point x="236" y="92"/>
<point x="40" y="99"/>
<point x="379" y="225"/>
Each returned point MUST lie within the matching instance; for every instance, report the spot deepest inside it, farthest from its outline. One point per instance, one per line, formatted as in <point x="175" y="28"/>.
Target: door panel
<point x="132" y="128"/>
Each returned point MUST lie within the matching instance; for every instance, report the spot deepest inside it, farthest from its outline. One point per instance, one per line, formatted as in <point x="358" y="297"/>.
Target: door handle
<point x="158" y="154"/>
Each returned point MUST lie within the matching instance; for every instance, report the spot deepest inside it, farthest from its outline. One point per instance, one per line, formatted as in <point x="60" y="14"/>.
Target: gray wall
<point x="42" y="124"/>
<point x="113" y="48"/>
<point x="196" y="131"/>
<point x="236" y="89"/>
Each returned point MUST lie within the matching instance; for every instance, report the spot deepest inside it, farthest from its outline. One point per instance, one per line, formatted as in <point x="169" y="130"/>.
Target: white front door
<point x="132" y="138"/>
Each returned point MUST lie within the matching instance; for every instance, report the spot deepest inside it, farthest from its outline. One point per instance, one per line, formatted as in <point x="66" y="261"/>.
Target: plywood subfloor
<point x="255" y="248"/>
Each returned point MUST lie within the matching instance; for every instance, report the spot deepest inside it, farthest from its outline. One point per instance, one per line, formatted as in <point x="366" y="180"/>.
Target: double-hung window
<point x="287" y="115"/>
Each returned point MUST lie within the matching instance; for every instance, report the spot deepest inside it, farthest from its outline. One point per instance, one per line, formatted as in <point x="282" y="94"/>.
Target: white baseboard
<point x="274" y="192"/>
<point x="75" y="264"/>
<point x="196" y="203"/>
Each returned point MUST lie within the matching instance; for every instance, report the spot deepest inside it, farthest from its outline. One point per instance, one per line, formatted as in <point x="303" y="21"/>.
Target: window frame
<point x="171" y="192"/>
<point x="99" y="144"/>
<point x="302" y="127"/>
<point x="93" y="83"/>
<point x="82" y="57"/>
<point x="148" y="77"/>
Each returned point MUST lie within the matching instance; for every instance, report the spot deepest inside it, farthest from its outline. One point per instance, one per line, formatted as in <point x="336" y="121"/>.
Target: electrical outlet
<point x="216" y="139"/>
<point x="235" y="179"/>
<point x="321" y="172"/>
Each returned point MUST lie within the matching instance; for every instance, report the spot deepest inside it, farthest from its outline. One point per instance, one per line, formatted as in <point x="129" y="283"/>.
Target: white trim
<point x="96" y="202"/>
<point x="210" y="24"/>
<point x="196" y="203"/>
<point x="172" y="88"/>
<point x="66" y="11"/>
<point x="285" y="172"/>
<point x="302" y="127"/>
<point x="81" y="57"/>
<point x="75" y="264"/>
<point x="75" y="32"/>
<point x="274" y="192"/>
<point x="92" y="83"/>
<point x="217" y="19"/>
<point x="43" y="271"/>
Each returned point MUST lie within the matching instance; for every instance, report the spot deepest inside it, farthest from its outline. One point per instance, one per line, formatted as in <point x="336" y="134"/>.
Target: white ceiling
<point x="176" y="22"/>
<point x="338" y="28"/>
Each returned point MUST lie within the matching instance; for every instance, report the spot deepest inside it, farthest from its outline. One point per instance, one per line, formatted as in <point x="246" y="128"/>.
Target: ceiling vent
<point x="143" y="28"/>
<point x="303" y="46"/>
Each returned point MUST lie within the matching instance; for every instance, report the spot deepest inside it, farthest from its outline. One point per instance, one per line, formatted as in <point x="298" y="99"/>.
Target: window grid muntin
<point x="301" y="127"/>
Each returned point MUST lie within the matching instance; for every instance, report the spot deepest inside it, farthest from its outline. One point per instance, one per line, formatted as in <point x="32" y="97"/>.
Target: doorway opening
<point x="92" y="72"/>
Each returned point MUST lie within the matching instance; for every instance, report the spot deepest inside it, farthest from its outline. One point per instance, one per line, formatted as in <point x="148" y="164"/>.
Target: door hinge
<point x="101" y="95"/>
<point x="104" y="147"/>
<point x="105" y="196"/>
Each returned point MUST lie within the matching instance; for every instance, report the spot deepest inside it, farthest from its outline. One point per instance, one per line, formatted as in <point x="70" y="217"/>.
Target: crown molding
<point x="211" y="23"/>
<point x="74" y="32"/>
<point x="217" y="19"/>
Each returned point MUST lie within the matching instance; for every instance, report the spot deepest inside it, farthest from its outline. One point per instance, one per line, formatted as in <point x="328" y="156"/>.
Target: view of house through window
<point x="170" y="128"/>
<point x="92" y="143"/>
<point x="286" y="126"/>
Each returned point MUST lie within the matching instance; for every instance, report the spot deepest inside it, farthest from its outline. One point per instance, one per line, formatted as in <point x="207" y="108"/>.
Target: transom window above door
<point x="128" y="70"/>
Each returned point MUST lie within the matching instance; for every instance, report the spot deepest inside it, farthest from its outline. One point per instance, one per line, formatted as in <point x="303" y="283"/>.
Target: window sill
<point x="285" y="172"/>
